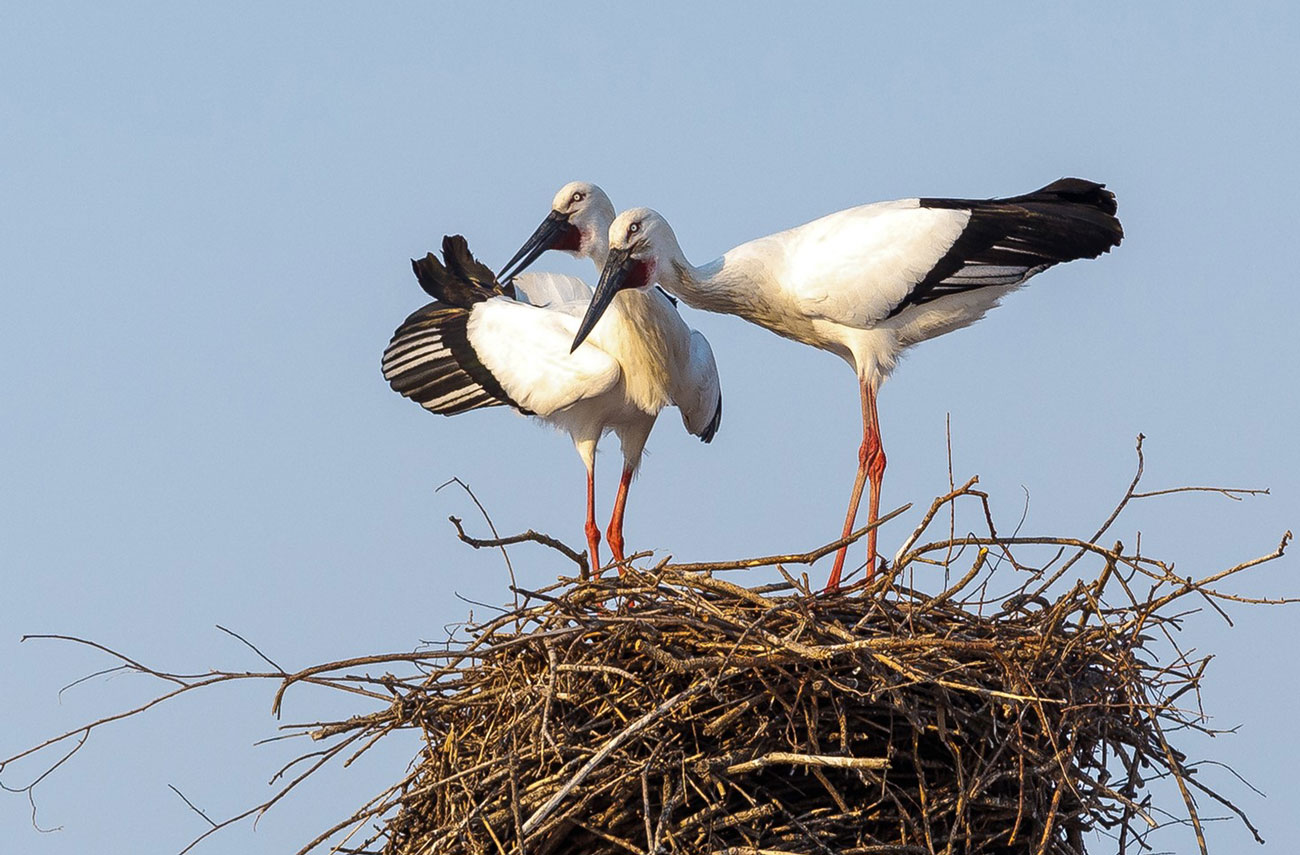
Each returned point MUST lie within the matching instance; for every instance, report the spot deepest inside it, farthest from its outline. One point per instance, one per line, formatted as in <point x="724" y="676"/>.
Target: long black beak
<point x="551" y="228"/>
<point x="612" y="278"/>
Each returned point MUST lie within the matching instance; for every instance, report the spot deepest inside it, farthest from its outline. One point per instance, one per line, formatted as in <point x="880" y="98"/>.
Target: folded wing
<point x="697" y="391"/>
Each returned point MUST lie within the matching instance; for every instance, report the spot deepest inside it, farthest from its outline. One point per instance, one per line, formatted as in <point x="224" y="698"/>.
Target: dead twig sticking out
<point x="578" y="558"/>
<point x="510" y="568"/>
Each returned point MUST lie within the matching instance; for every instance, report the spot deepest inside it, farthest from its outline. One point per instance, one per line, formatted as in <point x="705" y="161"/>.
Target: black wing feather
<point x="463" y="280"/>
<point x="711" y="429"/>
<point x="430" y="358"/>
<point x="465" y="267"/>
<point x="1008" y="240"/>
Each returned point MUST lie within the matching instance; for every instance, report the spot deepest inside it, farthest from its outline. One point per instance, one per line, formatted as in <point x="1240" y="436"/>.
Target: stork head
<point x="639" y="242"/>
<point x="578" y="224"/>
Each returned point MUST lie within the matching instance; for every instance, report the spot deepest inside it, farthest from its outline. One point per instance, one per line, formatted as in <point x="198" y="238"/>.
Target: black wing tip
<point x="1087" y="203"/>
<point x="1067" y="220"/>
<point x="711" y="429"/>
<point x="431" y="275"/>
<point x="1082" y="191"/>
<point x="1087" y="198"/>
<point x="1084" y="209"/>
<point x="455" y="249"/>
<point x="1071" y="186"/>
<point x="460" y="279"/>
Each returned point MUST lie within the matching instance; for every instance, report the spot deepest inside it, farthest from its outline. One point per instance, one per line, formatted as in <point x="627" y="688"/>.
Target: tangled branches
<point x="672" y="711"/>
<point x="707" y="717"/>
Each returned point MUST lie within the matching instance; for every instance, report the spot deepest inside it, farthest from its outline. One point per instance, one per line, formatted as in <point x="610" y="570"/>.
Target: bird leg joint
<point x="593" y="545"/>
<point x="614" y="536"/>
<point x="871" y="455"/>
<point x="875" y="462"/>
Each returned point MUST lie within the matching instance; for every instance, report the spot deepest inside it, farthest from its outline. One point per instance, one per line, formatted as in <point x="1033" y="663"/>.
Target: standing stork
<point x="478" y="345"/>
<point x="868" y="282"/>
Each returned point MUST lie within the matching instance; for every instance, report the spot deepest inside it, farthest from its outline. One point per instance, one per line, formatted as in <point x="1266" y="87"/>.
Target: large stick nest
<point x="700" y="716"/>
<point x="673" y="711"/>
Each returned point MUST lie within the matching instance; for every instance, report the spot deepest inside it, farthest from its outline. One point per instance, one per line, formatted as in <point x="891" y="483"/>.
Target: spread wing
<point x="526" y="349"/>
<point x="476" y="346"/>
<point x="431" y="361"/>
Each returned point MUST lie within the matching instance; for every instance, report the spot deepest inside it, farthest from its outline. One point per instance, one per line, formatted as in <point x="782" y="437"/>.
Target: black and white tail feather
<point x="1008" y="240"/>
<point x="430" y="358"/>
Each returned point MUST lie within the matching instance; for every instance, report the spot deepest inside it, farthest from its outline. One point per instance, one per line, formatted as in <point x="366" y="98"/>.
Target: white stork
<point x="868" y="282"/>
<point x="480" y="346"/>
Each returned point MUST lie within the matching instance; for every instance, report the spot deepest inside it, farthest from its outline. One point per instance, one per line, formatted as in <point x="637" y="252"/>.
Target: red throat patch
<point x="638" y="276"/>
<point x="569" y="239"/>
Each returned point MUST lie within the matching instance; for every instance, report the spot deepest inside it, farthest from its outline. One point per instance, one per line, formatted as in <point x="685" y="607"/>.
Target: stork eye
<point x="634" y="228"/>
<point x="578" y="197"/>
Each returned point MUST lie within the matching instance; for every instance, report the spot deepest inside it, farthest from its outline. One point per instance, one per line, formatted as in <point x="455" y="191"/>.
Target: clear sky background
<point x="206" y="213"/>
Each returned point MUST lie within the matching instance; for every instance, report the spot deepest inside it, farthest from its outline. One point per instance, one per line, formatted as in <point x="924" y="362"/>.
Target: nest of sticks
<point x="673" y="711"/>
<point x="670" y="710"/>
<point x="701" y="716"/>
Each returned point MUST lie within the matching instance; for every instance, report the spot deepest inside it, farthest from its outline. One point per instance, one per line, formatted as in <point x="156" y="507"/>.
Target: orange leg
<point x="871" y="467"/>
<point x="615" y="532"/>
<point x="592" y="530"/>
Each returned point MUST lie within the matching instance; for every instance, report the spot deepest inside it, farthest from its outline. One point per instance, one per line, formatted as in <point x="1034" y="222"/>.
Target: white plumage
<point x="868" y="282"/>
<point x="568" y="294"/>
<point x="483" y="343"/>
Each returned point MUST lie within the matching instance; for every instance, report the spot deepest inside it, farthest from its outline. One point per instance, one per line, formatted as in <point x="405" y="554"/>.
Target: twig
<point x="251" y="647"/>
<point x="192" y="806"/>
<point x="797" y="558"/>
<point x="491" y="527"/>
<point x="785" y="758"/>
<point x="528" y="536"/>
<point x="1234" y="493"/>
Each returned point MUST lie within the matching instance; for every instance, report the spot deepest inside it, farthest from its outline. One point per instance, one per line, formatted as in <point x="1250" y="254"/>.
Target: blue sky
<point x="207" y="215"/>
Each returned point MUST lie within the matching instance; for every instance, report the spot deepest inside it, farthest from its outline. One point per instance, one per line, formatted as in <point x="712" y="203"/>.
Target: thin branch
<point x="253" y="648"/>
<point x="491" y="527"/>
<point x="193" y="806"/>
<point x="797" y="558"/>
<point x="97" y="646"/>
<point x="1234" y="493"/>
<point x="786" y="758"/>
<point x="528" y="536"/>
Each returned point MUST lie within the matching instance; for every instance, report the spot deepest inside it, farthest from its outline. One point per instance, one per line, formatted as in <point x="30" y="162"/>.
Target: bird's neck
<point x="718" y="286"/>
<point x="740" y="283"/>
<point x="599" y="249"/>
<point x="595" y="241"/>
